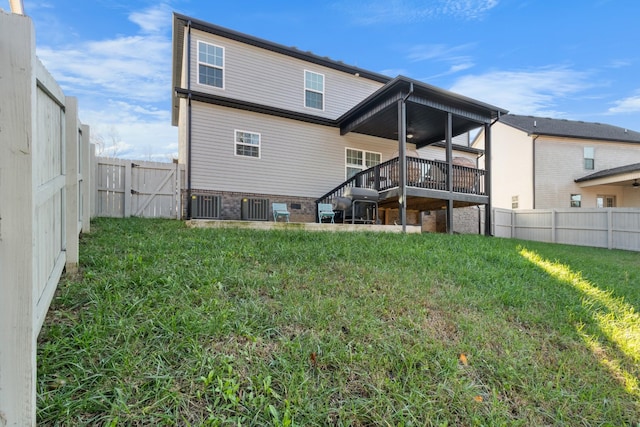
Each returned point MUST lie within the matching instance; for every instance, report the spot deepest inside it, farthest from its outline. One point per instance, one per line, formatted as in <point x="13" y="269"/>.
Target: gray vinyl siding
<point x="439" y="153"/>
<point x="297" y="158"/>
<point x="260" y="76"/>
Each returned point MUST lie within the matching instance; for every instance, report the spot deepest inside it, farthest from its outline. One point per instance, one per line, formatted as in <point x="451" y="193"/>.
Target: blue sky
<point x="573" y="59"/>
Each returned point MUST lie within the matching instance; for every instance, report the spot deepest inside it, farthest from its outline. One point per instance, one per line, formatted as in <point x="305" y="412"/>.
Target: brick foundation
<point x="302" y="209"/>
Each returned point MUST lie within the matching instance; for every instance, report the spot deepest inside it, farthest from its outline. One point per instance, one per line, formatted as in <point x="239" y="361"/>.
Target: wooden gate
<point x="133" y="188"/>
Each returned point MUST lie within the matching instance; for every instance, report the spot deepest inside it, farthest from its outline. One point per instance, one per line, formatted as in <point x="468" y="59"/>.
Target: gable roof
<point x="180" y="22"/>
<point x="427" y="107"/>
<point x="377" y="115"/>
<point x="570" y="128"/>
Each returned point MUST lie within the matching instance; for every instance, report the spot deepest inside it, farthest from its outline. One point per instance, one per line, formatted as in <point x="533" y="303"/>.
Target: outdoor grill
<point x="363" y="204"/>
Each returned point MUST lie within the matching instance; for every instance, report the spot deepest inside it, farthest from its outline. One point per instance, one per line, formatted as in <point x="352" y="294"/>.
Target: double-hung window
<point x="359" y="160"/>
<point x="210" y="65"/>
<point x="313" y="90"/>
<point x="589" y="162"/>
<point x="576" y="200"/>
<point x="247" y="144"/>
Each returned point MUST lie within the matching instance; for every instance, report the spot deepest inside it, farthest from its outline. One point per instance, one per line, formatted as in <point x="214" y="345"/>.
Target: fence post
<point x="88" y="173"/>
<point x="609" y="228"/>
<point x="17" y="304"/>
<point x="94" y="183"/>
<point x="513" y="224"/>
<point x="553" y="225"/>
<point x="178" y="189"/>
<point x="71" y="183"/>
<point x="127" y="188"/>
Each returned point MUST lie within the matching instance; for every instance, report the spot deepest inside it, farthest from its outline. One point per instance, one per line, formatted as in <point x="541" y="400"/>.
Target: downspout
<point x="478" y="206"/>
<point x="402" y="153"/>
<point x="533" y="180"/>
<point x="189" y="202"/>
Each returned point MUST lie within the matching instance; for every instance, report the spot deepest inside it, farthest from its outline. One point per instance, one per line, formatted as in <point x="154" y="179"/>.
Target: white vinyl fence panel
<point x="612" y="228"/>
<point x="43" y="184"/>
<point x="134" y="188"/>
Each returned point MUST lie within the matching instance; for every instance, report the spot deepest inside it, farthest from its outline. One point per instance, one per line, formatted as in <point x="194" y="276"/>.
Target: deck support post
<point x="487" y="179"/>
<point x="447" y="136"/>
<point x="402" y="160"/>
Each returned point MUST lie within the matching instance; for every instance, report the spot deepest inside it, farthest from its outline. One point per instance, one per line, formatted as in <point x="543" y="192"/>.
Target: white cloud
<point x="402" y="11"/>
<point x="393" y="72"/>
<point x="119" y="81"/>
<point x="132" y="131"/>
<point x="460" y="67"/>
<point x="453" y="56"/>
<point x="626" y="105"/>
<point x="133" y="67"/>
<point x="534" y="92"/>
<point x="153" y="20"/>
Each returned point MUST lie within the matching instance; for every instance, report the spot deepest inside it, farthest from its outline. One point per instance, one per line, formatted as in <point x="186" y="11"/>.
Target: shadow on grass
<point x="611" y="331"/>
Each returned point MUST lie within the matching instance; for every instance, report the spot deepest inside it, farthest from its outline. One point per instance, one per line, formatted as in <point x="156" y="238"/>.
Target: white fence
<point x="125" y="188"/>
<point x="44" y="205"/>
<point x="612" y="228"/>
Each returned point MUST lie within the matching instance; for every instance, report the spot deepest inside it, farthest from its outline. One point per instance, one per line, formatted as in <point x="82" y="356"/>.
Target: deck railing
<point x="423" y="173"/>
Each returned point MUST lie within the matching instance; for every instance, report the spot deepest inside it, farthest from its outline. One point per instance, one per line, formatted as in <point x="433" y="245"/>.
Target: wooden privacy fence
<point x="125" y="188"/>
<point x="44" y="205"/>
<point x="612" y="228"/>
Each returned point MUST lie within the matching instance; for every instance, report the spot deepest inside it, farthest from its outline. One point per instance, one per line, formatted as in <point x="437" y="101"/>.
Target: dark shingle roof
<point x="570" y="128"/>
<point x="610" y="172"/>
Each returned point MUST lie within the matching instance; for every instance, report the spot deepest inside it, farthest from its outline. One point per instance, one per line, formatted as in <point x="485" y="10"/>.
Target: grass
<point x="167" y="325"/>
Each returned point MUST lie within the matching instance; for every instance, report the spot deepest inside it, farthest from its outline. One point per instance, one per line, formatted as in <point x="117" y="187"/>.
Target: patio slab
<point x="307" y="226"/>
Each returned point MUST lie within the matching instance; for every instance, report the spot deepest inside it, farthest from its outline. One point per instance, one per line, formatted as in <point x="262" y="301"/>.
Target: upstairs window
<point x="210" y="65"/>
<point x="514" y="202"/>
<point x="589" y="158"/>
<point x="359" y="160"/>
<point x="247" y="144"/>
<point x="313" y="90"/>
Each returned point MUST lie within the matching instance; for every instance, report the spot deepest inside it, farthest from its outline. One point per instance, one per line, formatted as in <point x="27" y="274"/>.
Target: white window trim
<point x="198" y="63"/>
<point x="364" y="159"/>
<point x="236" y="143"/>
<point x="304" y="92"/>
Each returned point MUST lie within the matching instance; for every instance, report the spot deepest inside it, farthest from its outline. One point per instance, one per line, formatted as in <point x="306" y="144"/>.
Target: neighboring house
<point x="543" y="163"/>
<point x="261" y="123"/>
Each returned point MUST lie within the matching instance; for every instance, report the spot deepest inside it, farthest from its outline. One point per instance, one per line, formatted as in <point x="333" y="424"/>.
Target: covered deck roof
<point x="627" y="175"/>
<point x="427" y="108"/>
<point x="407" y="110"/>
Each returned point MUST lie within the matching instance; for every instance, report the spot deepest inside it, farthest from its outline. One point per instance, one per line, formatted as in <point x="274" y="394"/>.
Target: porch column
<point x="402" y="160"/>
<point x="487" y="179"/>
<point x="447" y="135"/>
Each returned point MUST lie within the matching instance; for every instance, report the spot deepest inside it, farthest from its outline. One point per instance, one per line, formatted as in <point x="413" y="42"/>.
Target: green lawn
<point x="167" y="325"/>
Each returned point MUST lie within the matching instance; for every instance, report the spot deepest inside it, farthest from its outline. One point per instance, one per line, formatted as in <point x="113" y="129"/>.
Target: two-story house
<point x="260" y="122"/>
<point x="543" y="163"/>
